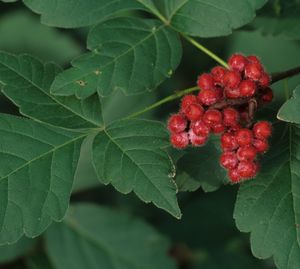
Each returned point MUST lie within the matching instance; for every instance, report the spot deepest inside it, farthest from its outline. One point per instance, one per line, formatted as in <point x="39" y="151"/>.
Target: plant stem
<point x="286" y="74"/>
<point x="206" y="51"/>
<point x="169" y="98"/>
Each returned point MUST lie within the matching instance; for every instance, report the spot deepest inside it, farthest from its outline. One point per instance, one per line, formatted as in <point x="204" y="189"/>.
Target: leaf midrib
<point x="42" y="156"/>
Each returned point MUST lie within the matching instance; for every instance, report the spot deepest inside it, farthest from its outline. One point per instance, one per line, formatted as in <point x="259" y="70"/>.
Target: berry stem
<point x="206" y="51"/>
<point x="169" y="98"/>
<point x="286" y="74"/>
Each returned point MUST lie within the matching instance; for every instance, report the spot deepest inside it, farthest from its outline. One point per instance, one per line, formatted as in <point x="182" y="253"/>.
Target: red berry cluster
<point x="201" y="115"/>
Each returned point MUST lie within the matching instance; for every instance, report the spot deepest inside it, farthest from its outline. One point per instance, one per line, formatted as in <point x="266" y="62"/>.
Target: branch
<point x="286" y="74"/>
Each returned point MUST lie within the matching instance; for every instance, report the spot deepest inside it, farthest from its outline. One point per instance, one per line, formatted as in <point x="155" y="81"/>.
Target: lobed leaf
<point x="97" y="237"/>
<point x="79" y="13"/>
<point x="37" y="168"/>
<point x="26" y="81"/>
<point x="129" y="54"/>
<point x="290" y="110"/>
<point x="269" y="205"/>
<point x="128" y="155"/>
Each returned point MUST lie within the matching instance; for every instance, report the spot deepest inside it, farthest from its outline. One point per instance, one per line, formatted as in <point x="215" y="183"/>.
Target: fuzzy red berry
<point x="194" y="112"/>
<point x="253" y="71"/>
<point x="187" y="100"/>
<point x="234" y="176"/>
<point x="261" y="145"/>
<point x="228" y="142"/>
<point x="197" y="140"/>
<point x="232" y="93"/>
<point x="179" y="140"/>
<point x="177" y="123"/>
<point x="246" y="153"/>
<point x="206" y="82"/>
<point x="218" y="74"/>
<point x="200" y="128"/>
<point x="212" y="117"/>
<point x="264" y="80"/>
<point x="244" y="137"/>
<point x="247" y="88"/>
<point x="262" y="130"/>
<point x="247" y="169"/>
<point x="230" y="116"/>
<point x="218" y="128"/>
<point x="253" y="59"/>
<point x="229" y="160"/>
<point x="267" y="97"/>
<point x="237" y="62"/>
<point x="208" y="97"/>
<point x="232" y="79"/>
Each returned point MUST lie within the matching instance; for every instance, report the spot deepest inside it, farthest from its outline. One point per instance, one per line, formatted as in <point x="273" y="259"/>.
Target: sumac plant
<point x="106" y="97"/>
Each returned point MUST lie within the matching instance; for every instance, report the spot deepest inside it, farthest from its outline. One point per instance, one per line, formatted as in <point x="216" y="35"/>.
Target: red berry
<point x="212" y="117"/>
<point x="232" y="93"/>
<point x="197" y="140"/>
<point x="206" y="82"/>
<point x="234" y="176"/>
<point x="261" y="145"/>
<point x="264" y="80"/>
<point x="230" y="116"/>
<point x="218" y="74"/>
<point x="218" y="128"/>
<point x="187" y="100"/>
<point x="232" y="79"/>
<point x="253" y="59"/>
<point x="247" y="88"/>
<point x="229" y="160"/>
<point x="247" y="169"/>
<point x="200" y="128"/>
<point x="247" y="153"/>
<point x="180" y="140"/>
<point x="262" y="129"/>
<point x="208" y="97"/>
<point x="220" y="93"/>
<point x="194" y="112"/>
<point x="267" y="97"/>
<point x="228" y="142"/>
<point x="253" y="71"/>
<point x="237" y="62"/>
<point x="177" y="123"/>
<point x="244" y="137"/>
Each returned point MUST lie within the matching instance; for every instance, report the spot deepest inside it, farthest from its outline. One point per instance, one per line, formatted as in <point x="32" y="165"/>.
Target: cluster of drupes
<point x="223" y="107"/>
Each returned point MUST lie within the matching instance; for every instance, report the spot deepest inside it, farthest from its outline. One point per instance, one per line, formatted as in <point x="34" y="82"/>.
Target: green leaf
<point x="205" y="18"/>
<point x="185" y="182"/>
<point x="37" y="168"/>
<point x="269" y="205"/>
<point x="36" y="39"/>
<point x="12" y="252"/>
<point x="9" y="1"/>
<point x="290" y="110"/>
<point x="38" y="261"/>
<point x="97" y="237"/>
<point x="129" y="54"/>
<point x="202" y="165"/>
<point x="78" y="13"/>
<point x="128" y="155"/>
<point x="27" y="83"/>
<point x="280" y="19"/>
